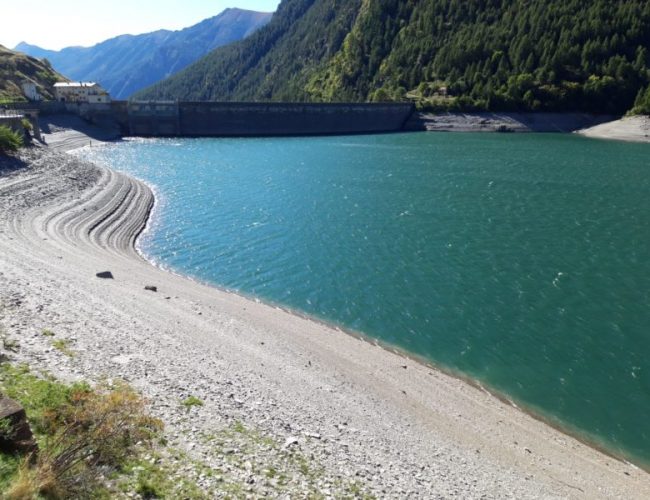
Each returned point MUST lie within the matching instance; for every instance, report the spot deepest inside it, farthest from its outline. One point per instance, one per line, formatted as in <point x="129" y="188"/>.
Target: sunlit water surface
<point x="521" y="261"/>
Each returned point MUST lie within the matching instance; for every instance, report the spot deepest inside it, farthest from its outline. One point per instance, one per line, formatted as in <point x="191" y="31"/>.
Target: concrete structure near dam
<point x="15" y="120"/>
<point x="225" y="119"/>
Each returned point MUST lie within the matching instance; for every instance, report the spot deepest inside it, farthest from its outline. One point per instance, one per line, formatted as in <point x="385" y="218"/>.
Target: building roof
<point x="75" y="84"/>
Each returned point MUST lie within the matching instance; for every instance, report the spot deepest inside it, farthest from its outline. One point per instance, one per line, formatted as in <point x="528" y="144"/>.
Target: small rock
<point x="151" y="288"/>
<point x="107" y="275"/>
<point x="291" y="441"/>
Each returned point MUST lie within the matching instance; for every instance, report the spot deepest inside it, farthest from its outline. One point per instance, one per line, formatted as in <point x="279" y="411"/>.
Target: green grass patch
<point x="47" y="333"/>
<point x="63" y="345"/>
<point x="157" y="477"/>
<point x="8" y="469"/>
<point x="82" y="433"/>
<point x="40" y="396"/>
<point x="191" y="402"/>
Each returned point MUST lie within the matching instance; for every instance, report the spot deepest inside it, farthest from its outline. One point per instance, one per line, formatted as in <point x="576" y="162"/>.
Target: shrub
<point x="9" y="140"/>
<point x="95" y="429"/>
<point x="82" y="432"/>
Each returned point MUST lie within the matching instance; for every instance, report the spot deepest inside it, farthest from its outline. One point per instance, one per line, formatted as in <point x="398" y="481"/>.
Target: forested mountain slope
<point x="16" y="68"/>
<point x="587" y="55"/>
<point x="128" y="63"/>
<point x="273" y="64"/>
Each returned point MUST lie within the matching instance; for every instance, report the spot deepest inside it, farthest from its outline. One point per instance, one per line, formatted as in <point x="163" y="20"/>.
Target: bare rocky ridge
<point x="345" y="410"/>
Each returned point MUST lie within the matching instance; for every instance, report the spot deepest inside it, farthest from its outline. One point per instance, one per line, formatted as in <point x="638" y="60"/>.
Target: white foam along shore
<point x="631" y="129"/>
<point x="396" y="427"/>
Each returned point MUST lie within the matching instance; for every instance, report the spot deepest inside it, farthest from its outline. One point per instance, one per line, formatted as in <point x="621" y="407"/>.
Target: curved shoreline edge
<point x="62" y="220"/>
<point x="547" y="419"/>
<point x="556" y="424"/>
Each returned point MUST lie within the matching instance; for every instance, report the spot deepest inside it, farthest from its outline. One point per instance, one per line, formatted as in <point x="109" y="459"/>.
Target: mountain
<point x="16" y="68"/>
<point x="127" y="63"/>
<point x="528" y="55"/>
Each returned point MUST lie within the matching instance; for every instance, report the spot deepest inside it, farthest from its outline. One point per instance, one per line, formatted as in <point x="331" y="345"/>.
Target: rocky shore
<point x="505" y="122"/>
<point x="269" y="402"/>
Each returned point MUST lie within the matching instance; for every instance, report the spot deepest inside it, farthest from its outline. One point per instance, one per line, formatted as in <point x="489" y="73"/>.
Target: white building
<point x="30" y="90"/>
<point x="88" y="92"/>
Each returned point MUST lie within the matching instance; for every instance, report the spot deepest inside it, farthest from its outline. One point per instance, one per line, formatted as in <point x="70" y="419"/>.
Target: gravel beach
<point x="359" y="418"/>
<point x="631" y="129"/>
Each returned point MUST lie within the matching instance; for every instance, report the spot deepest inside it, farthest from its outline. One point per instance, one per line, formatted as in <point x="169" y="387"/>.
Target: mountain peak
<point x="24" y="45"/>
<point x="127" y="63"/>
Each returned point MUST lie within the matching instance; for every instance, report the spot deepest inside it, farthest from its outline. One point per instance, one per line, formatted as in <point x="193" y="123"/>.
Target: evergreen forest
<point x="516" y="55"/>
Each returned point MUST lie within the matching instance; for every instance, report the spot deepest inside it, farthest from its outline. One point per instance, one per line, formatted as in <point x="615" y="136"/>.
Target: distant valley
<point x="128" y="63"/>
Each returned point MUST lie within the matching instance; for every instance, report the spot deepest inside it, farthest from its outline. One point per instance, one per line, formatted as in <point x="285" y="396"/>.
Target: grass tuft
<point x="192" y="401"/>
<point x="63" y="345"/>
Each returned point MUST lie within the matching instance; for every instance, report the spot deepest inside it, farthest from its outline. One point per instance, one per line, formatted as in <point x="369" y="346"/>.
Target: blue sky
<point x="56" y="24"/>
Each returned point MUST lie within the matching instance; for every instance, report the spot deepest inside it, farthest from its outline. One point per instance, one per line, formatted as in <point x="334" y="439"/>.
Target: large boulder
<point x="15" y="434"/>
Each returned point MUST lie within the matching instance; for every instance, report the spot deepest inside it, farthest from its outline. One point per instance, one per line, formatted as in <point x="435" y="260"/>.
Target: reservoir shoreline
<point x="539" y="415"/>
<point x="319" y="374"/>
<point x="278" y="119"/>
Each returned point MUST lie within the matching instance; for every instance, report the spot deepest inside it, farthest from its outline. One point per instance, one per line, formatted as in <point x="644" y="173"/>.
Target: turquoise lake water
<point x="521" y="261"/>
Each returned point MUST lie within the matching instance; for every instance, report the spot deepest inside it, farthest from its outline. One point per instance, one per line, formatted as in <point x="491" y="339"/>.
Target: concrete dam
<point x="217" y="119"/>
<point x="232" y="119"/>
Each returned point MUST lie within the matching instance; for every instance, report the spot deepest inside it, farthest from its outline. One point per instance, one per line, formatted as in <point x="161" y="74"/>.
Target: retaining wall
<point x="13" y="122"/>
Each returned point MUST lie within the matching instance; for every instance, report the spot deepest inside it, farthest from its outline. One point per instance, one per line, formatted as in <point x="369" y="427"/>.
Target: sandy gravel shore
<point x="359" y="414"/>
<point x="632" y="128"/>
<point x="504" y="122"/>
<point x="68" y="132"/>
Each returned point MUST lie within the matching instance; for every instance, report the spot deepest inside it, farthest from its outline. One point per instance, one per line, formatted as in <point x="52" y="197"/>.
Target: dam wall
<point x="231" y="119"/>
<point x="220" y="119"/>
